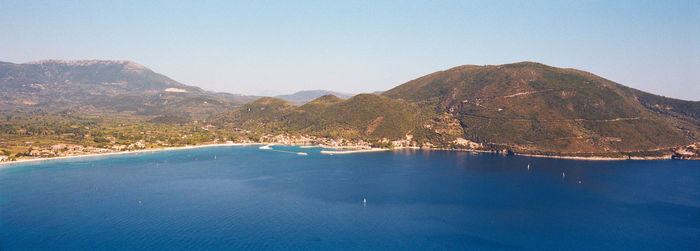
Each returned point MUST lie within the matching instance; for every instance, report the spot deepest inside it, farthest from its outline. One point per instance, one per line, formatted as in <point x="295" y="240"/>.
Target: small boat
<point x="563" y="174"/>
<point x="302" y="153"/>
<point x="528" y="167"/>
<point x="364" y="201"/>
<point x="214" y="156"/>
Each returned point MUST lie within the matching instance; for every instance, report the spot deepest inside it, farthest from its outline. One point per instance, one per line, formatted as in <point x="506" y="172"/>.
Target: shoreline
<point x="577" y="157"/>
<point x="174" y="148"/>
<point x="359" y="149"/>
<point x="592" y="158"/>
<point x="332" y="152"/>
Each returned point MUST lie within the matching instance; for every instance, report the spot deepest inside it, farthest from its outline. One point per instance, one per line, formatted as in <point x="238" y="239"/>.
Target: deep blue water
<point x="248" y="198"/>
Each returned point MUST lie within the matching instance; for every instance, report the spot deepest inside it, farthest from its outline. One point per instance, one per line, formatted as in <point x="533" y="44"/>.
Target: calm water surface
<point x="248" y="198"/>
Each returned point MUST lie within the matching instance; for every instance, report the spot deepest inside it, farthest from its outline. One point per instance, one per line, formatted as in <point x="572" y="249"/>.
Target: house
<point x="58" y="147"/>
<point x="118" y="147"/>
<point x="469" y="143"/>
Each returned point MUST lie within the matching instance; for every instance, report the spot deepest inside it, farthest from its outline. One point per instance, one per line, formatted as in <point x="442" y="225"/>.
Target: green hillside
<point x="365" y="117"/>
<point x="537" y="108"/>
<point x="105" y="88"/>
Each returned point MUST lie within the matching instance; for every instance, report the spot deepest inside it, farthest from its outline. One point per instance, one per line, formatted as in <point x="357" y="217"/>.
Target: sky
<point x="276" y="47"/>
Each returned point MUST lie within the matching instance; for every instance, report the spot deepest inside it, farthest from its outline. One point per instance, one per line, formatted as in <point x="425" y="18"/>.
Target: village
<point x="68" y="150"/>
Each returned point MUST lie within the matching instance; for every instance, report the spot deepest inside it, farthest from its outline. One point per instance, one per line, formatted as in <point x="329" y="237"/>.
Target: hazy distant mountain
<point x="306" y="96"/>
<point x="104" y="86"/>
<point x="48" y="80"/>
<point x="235" y="98"/>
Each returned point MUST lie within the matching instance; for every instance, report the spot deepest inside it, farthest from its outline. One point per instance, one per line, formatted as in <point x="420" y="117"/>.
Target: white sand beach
<point x="21" y="161"/>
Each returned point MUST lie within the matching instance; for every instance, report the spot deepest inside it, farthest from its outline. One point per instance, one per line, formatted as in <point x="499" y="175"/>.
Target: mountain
<point x="235" y="98"/>
<point x="522" y="107"/>
<point x="97" y="86"/>
<point x="73" y="81"/>
<point x="535" y="108"/>
<point x="302" y="97"/>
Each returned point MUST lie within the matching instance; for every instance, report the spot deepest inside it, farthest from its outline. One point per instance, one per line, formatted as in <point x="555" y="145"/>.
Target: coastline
<point x="577" y="157"/>
<point x="355" y="151"/>
<point x="6" y="164"/>
<point x="592" y="158"/>
<point x="359" y="149"/>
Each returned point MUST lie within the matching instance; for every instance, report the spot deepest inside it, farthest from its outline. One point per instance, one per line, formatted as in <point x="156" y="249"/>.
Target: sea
<point x="243" y="198"/>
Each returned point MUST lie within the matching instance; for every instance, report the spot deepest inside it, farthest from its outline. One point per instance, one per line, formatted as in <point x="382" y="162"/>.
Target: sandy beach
<point x="21" y="161"/>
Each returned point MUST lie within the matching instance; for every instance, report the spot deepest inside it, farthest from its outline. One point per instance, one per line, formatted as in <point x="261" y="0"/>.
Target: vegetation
<point x="531" y="107"/>
<point x="22" y="132"/>
<point x="366" y="117"/>
<point x="522" y="108"/>
<point x="105" y="88"/>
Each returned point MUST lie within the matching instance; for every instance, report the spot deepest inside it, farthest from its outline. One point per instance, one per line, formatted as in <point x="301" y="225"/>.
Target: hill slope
<point x="541" y="109"/>
<point x="104" y="87"/>
<point x="365" y="117"/>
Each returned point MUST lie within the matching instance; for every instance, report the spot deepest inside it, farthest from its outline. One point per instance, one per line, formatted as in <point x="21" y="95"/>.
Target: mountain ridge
<point x="525" y="104"/>
<point x="98" y="85"/>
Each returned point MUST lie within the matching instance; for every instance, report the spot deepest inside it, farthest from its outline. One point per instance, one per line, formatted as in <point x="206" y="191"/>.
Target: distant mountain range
<point x="97" y="86"/>
<point x="115" y="85"/>
<point x="302" y="97"/>
<point x="522" y="107"/>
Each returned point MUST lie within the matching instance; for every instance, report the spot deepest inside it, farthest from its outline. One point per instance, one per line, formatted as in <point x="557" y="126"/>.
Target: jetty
<point x="354" y="151"/>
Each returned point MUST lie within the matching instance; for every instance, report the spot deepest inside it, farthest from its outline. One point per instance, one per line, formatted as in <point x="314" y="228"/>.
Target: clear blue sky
<point x="257" y="46"/>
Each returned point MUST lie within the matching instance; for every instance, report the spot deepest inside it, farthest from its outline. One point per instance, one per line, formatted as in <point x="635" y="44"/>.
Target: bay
<point x="248" y="198"/>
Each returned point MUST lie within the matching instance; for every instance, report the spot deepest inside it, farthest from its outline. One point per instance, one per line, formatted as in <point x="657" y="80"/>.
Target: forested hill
<point x="535" y="107"/>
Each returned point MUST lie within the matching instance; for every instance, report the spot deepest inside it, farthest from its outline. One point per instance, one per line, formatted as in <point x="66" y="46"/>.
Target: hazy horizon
<point x="282" y="48"/>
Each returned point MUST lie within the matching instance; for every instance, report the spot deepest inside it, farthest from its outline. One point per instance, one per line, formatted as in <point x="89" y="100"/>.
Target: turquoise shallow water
<point x="248" y="198"/>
